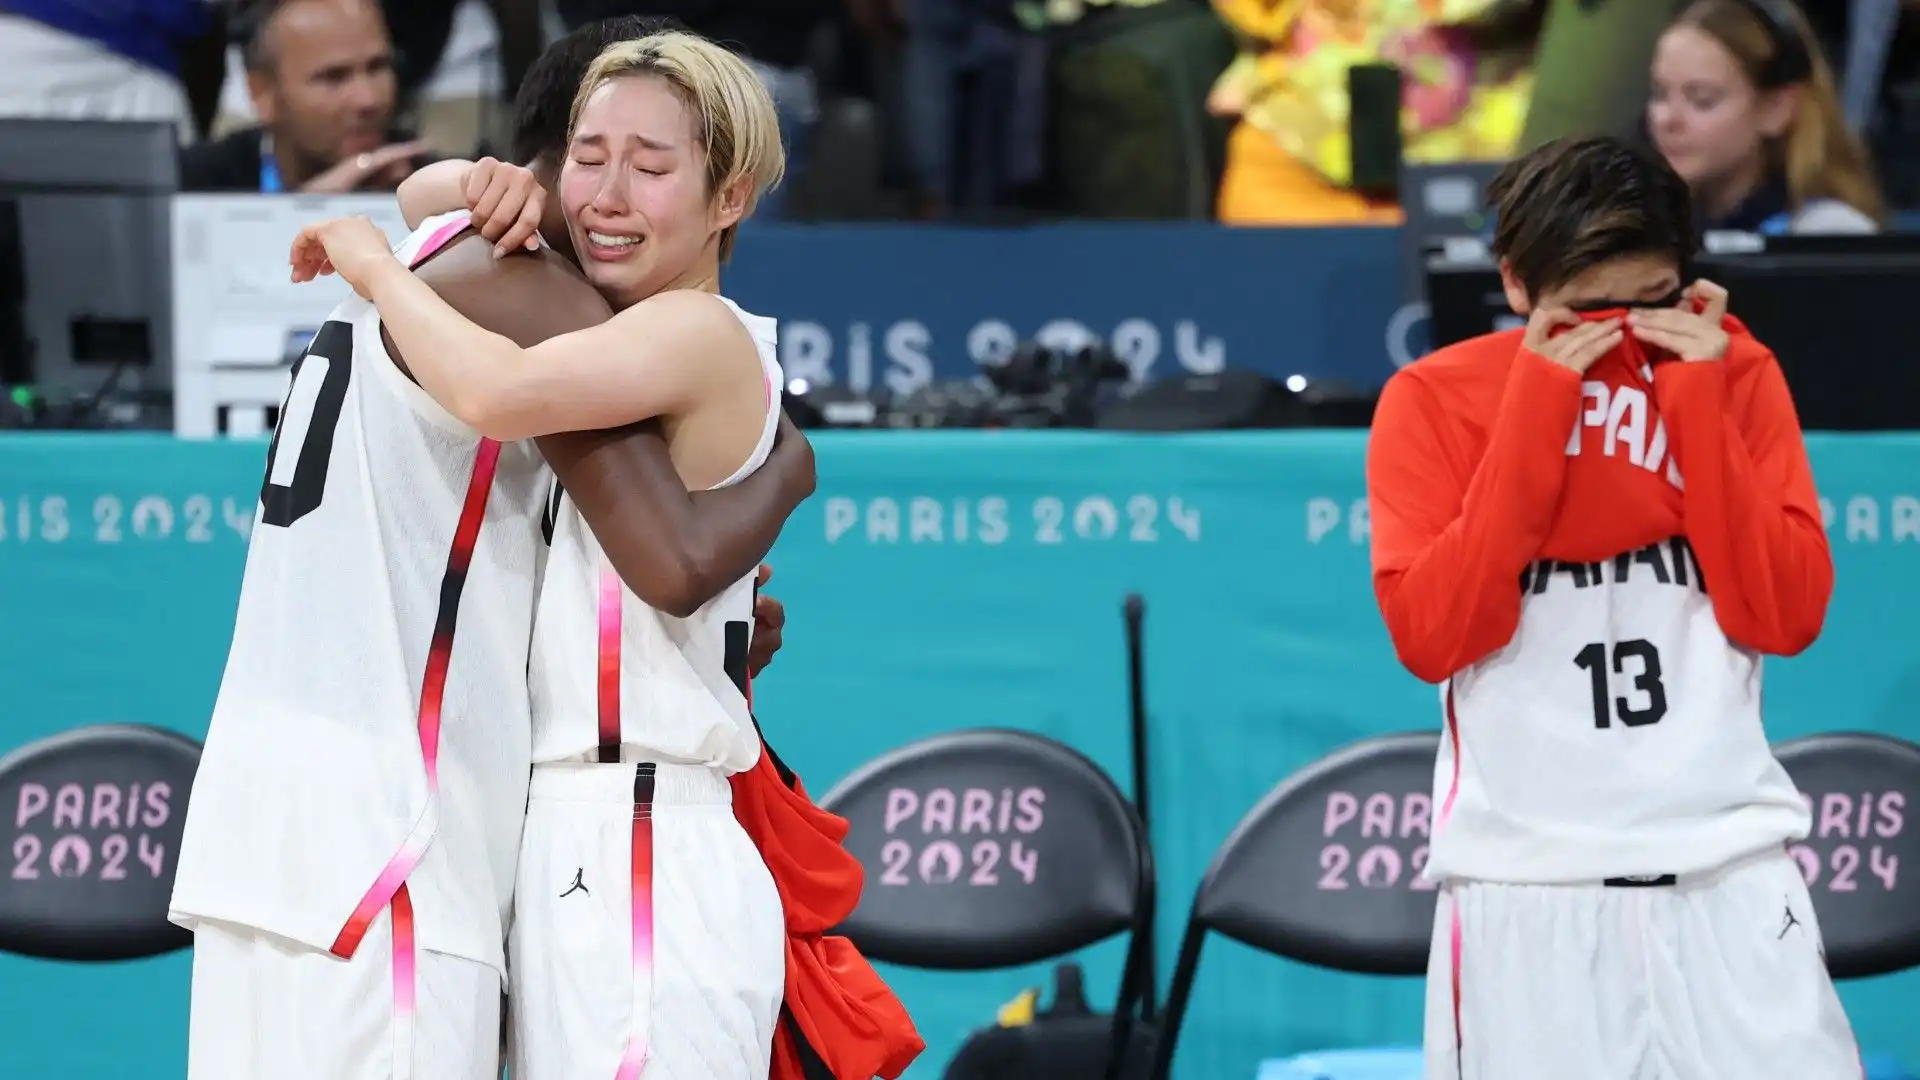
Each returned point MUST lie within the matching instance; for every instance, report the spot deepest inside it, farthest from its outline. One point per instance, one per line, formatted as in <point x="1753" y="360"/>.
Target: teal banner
<point x="937" y="581"/>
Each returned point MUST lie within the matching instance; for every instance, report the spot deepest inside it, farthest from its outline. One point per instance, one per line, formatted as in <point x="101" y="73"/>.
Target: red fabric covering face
<point x="841" y="1007"/>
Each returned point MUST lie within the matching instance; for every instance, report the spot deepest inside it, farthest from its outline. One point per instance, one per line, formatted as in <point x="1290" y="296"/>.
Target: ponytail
<point x="1820" y="157"/>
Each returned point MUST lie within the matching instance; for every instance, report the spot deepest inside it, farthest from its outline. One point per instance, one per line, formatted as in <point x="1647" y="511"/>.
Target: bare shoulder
<point x="693" y="320"/>
<point x="689" y="307"/>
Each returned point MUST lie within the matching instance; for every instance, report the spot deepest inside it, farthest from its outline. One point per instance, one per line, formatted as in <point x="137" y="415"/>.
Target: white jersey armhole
<point x="765" y="334"/>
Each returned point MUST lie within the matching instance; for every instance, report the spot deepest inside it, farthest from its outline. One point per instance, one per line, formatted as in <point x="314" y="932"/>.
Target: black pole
<point x="1134" y="609"/>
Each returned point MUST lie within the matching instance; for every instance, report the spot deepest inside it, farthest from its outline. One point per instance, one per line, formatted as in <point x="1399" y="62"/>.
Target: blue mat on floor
<point x="1387" y="1064"/>
<point x="1401" y="1064"/>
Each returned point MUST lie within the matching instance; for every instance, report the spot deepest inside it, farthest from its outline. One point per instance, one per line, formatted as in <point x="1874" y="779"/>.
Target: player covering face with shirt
<point x="1590" y="532"/>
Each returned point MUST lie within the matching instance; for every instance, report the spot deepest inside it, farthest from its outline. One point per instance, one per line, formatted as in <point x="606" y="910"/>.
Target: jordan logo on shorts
<point x="579" y="884"/>
<point x="1788" y="923"/>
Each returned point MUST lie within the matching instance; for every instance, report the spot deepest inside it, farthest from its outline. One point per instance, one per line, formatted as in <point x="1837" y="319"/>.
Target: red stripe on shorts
<point x="641" y="866"/>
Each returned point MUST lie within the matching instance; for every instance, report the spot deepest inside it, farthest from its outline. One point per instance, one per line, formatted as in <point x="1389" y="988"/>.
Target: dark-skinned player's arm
<point x="674" y="550"/>
<point x="685" y="549"/>
<point x="1450" y="535"/>
<point x="1752" y="512"/>
<point x="432" y="189"/>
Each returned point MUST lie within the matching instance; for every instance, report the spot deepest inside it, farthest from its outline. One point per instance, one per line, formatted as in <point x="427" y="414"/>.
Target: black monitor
<point x="1464" y="298"/>
<point x="85" y="257"/>
<point x="1837" y="317"/>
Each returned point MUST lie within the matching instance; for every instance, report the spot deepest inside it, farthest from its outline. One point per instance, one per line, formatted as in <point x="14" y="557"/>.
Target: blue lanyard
<point x="269" y="171"/>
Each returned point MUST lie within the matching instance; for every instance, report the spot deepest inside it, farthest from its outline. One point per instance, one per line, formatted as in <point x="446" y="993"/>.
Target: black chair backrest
<point x="1861" y="853"/>
<point x="990" y="849"/>
<point x="93" y="820"/>
<point x="1326" y="868"/>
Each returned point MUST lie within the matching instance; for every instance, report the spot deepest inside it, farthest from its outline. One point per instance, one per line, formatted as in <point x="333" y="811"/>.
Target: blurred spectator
<point x="1591" y="68"/>
<point x="774" y="38"/>
<point x="1467" y="79"/>
<point x="1746" y="111"/>
<point x="1129" y="135"/>
<point x="459" y="63"/>
<point x="320" y="75"/>
<point x="74" y="60"/>
<point x="974" y="86"/>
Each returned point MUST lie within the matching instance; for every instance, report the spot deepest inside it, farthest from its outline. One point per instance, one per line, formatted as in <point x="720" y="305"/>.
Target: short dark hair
<point x="1567" y="206"/>
<point x="248" y="29"/>
<point x="544" y="105"/>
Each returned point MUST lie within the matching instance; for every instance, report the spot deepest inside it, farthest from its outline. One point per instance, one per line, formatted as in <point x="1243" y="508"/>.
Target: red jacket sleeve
<point x="1752" y="512"/>
<point x="1451" y="536"/>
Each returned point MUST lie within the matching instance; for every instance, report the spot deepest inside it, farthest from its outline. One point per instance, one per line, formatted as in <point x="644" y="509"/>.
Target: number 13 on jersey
<point x="1636" y="660"/>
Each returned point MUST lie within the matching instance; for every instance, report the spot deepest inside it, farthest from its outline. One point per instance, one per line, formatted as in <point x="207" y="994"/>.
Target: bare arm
<point x="632" y="367"/>
<point x="674" y="550"/>
<point x="436" y="189"/>
<point x="688" y="549"/>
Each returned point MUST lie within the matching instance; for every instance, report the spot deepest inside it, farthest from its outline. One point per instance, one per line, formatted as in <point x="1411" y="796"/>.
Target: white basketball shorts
<point x="647" y="932"/>
<point x="266" y="1008"/>
<point x="1703" y="977"/>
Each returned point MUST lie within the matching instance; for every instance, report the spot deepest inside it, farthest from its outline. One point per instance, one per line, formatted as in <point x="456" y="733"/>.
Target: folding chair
<point x="1324" y="870"/>
<point x="1863" y="789"/>
<point x="992" y="849"/>
<point x="96" y="816"/>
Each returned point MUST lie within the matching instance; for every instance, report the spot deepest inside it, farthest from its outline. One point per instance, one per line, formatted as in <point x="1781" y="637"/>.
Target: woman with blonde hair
<point x="648" y="932"/>
<point x="1743" y="107"/>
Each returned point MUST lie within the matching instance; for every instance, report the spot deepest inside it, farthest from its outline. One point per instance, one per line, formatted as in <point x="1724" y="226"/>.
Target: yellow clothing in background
<point x="1290" y="90"/>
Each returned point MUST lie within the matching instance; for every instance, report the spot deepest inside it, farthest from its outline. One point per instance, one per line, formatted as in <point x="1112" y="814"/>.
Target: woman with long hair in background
<point x="1743" y="106"/>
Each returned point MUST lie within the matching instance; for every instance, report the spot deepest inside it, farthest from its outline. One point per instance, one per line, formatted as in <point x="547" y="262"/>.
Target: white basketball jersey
<point x="374" y="712"/>
<point x="1617" y="734"/>
<point x="607" y="668"/>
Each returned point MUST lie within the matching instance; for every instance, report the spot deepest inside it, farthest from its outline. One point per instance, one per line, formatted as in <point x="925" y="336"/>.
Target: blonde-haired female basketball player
<point x="639" y="717"/>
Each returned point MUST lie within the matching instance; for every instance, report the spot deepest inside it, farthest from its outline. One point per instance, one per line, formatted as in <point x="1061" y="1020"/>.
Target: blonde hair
<point x="733" y="115"/>
<point x="1819" y="157"/>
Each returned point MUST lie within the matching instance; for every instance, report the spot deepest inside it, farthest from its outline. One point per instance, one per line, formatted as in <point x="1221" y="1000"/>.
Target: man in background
<point x="321" y="77"/>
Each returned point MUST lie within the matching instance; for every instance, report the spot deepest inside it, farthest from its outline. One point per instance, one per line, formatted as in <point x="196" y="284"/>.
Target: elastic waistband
<point x="673" y="785"/>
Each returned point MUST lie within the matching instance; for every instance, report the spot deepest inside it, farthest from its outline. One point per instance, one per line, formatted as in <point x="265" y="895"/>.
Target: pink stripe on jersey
<point x="432" y="691"/>
<point x="609" y="666"/>
<point x="405" y="982"/>
<point x="439" y="239"/>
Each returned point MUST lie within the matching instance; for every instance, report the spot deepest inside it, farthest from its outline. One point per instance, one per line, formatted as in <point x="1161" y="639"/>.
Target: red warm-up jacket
<point x="840" y="1020"/>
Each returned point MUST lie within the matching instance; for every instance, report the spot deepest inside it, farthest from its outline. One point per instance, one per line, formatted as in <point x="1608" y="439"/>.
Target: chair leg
<point x="1178" y="992"/>
<point x="1127" y="1006"/>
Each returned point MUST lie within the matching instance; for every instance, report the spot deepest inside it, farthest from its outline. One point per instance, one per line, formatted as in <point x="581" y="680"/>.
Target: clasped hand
<point x="1574" y="343"/>
<point x="1686" y="333"/>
